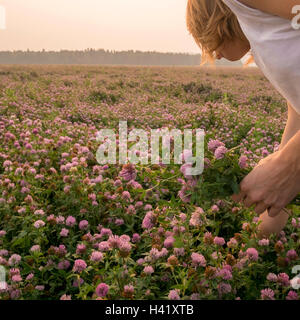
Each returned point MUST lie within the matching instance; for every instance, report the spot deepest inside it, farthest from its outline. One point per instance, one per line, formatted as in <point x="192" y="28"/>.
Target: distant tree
<point x="101" y="56"/>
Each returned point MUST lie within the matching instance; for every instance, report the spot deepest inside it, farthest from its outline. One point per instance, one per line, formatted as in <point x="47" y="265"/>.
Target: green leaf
<point x="178" y="242"/>
<point x="235" y="187"/>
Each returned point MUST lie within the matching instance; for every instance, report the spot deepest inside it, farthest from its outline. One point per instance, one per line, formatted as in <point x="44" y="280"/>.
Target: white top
<point x="275" y="46"/>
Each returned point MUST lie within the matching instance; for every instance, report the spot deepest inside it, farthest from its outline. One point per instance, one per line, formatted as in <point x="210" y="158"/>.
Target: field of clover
<point x="71" y="228"/>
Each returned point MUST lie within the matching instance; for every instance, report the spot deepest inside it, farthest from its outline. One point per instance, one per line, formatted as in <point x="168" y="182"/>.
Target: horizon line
<point x="94" y="49"/>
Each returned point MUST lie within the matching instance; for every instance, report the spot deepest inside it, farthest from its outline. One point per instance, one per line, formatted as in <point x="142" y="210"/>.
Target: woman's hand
<point x="274" y="182"/>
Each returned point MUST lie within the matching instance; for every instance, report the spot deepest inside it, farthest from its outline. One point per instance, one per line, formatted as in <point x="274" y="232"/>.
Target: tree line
<point x="101" y="56"/>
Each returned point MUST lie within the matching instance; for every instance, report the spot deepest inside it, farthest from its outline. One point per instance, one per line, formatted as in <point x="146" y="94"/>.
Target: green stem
<point x="163" y="181"/>
<point x="233" y="148"/>
<point x="174" y="275"/>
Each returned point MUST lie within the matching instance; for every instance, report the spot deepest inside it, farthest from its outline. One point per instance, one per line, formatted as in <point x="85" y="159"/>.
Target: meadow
<point x="71" y="228"/>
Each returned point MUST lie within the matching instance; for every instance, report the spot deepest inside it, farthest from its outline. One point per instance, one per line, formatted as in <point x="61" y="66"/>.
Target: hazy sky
<point x="109" y="24"/>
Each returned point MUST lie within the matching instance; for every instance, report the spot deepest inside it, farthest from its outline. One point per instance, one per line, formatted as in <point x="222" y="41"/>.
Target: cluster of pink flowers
<point x="35" y="248"/>
<point x="14" y="260"/>
<point x="128" y="172"/>
<point x="83" y="224"/>
<point x="267" y="294"/>
<point x="70" y="221"/>
<point x="79" y="265"/>
<point x="102" y="290"/>
<point x="64" y="232"/>
<point x="169" y="241"/>
<point x="39" y="224"/>
<point x="224" y="288"/>
<point x="198" y="259"/>
<point x="96" y="256"/>
<point x="264" y="242"/>
<point x="155" y="254"/>
<point x="220" y="152"/>
<point x="243" y="161"/>
<point x="214" y="144"/>
<point x="252" y="254"/>
<point x="148" y="221"/>
<point x="219" y="241"/>
<point x="225" y="273"/>
<point x="195" y="220"/>
<point x="129" y="289"/>
<point x="174" y="294"/>
<point x="148" y="270"/>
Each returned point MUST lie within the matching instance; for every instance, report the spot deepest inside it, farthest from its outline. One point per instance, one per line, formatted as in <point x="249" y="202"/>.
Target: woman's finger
<point x="248" y="202"/>
<point x="261" y="207"/>
<point x="238" y="197"/>
<point x="273" y="211"/>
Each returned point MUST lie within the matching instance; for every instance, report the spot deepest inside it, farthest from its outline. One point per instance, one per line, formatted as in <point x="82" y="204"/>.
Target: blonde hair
<point x="211" y="23"/>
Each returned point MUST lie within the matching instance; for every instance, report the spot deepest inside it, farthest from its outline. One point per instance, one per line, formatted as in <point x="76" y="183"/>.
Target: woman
<point x="229" y="29"/>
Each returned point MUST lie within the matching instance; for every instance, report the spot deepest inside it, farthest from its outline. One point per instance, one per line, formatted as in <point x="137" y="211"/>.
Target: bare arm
<point x="276" y="180"/>
<point x="275" y="224"/>
<point x="281" y="8"/>
<point x="292" y="126"/>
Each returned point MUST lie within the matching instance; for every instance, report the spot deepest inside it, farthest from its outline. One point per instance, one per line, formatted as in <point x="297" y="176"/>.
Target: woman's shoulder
<point x="241" y="7"/>
<point x="283" y="9"/>
<point x="243" y="3"/>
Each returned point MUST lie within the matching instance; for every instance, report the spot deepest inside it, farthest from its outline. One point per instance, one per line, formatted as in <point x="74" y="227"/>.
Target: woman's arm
<point x="276" y="180"/>
<point x="281" y="8"/>
<point x="292" y="126"/>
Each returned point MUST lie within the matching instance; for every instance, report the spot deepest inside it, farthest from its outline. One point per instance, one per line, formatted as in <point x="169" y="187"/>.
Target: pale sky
<point x="146" y="25"/>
